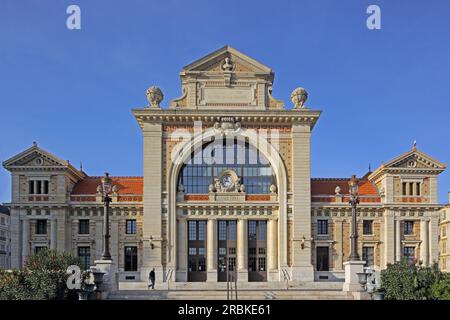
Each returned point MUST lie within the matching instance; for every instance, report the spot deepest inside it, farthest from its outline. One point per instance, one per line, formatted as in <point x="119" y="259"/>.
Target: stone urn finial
<point x="299" y="97"/>
<point x="337" y="190"/>
<point x="154" y="96"/>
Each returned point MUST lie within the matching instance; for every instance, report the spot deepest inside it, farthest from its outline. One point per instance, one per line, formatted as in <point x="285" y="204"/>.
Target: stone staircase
<point x="217" y="291"/>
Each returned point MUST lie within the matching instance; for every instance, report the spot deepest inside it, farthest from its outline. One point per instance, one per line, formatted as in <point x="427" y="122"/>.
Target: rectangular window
<point x="201" y="230"/>
<point x="45" y="188"/>
<point x="131" y="227"/>
<point x="411" y="188"/>
<point x="322" y="227"/>
<point x="408" y="254"/>
<point x="367" y="227"/>
<point x="322" y="254"/>
<point x="408" y="227"/>
<point x="252" y="230"/>
<point x="41" y="226"/>
<point x="84" y="253"/>
<point x="404" y="188"/>
<point x="83" y="226"/>
<point x="262" y="230"/>
<point x="38" y="187"/>
<point x="368" y="256"/>
<point x="417" y="188"/>
<point x="130" y="258"/>
<point x="192" y="229"/>
<point x="31" y="187"/>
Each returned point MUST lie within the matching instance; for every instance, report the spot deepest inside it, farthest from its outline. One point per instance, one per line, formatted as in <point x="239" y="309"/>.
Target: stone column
<point x="74" y="233"/>
<point x="182" y="254"/>
<point x="25" y="240"/>
<point x="424" y="246"/>
<point x="398" y="242"/>
<point x="152" y="221"/>
<point x="211" y="256"/>
<point x="114" y="241"/>
<point x="433" y="235"/>
<point x="98" y="239"/>
<point x="62" y="235"/>
<point x="53" y="234"/>
<point x="302" y="268"/>
<point x="272" y="265"/>
<point x="337" y="237"/>
<point x="389" y="238"/>
<point x="242" y="250"/>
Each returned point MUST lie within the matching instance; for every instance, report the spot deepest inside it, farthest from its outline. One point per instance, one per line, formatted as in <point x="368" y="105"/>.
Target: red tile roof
<point x="319" y="186"/>
<point x="326" y="186"/>
<point x="127" y="185"/>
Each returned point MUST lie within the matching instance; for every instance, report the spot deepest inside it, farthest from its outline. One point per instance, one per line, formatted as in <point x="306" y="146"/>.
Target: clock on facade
<point x="227" y="181"/>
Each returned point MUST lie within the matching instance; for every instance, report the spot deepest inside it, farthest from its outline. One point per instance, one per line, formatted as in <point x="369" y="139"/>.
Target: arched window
<point x="207" y="163"/>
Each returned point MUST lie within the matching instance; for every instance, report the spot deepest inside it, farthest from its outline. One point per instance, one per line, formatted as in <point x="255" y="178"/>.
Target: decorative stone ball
<point x="299" y="97"/>
<point x="154" y="96"/>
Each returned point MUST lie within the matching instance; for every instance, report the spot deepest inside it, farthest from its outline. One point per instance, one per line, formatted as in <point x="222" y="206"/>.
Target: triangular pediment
<point x="34" y="157"/>
<point x="415" y="159"/>
<point x="239" y="62"/>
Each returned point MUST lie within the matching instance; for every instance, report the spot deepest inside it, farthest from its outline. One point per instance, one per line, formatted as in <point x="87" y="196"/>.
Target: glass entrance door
<point x="226" y="250"/>
<point x="197" y="250"/>
<point x="257" y="248"/>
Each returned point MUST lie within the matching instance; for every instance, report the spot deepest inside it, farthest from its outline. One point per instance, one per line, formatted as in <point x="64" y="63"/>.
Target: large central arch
<point x="260" y="143"/>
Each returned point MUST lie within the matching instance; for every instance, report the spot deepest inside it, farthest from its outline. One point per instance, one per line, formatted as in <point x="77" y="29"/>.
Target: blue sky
<point x="72" y="91"/>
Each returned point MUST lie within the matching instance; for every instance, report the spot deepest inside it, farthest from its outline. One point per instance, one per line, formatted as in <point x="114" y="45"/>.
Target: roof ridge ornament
<point x="299" y="97"/>
<point x="415" y="145"/>
<point x="228" y="67"/>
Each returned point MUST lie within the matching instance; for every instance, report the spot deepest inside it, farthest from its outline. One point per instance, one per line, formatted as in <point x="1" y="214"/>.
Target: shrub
<point x="406" y="281"/>
<point x="441" y="290"/>
<point x="43" y="278"/>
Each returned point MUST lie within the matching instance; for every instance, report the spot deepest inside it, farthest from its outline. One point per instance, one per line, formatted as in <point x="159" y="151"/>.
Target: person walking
<point x="151" y="278"/>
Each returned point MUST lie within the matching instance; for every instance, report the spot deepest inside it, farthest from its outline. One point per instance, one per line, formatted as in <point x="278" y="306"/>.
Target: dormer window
<point x="38" y="186"/>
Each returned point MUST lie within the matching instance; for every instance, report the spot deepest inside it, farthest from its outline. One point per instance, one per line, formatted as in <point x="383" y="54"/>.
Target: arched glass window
<point x="206" y="164"/>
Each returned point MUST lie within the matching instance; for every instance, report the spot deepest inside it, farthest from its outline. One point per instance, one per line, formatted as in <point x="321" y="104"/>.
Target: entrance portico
<point x="243" y="242"/>
<point x="227" y="114"/>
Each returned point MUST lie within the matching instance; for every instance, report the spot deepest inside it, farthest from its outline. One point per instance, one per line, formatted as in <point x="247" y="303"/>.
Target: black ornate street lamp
<point x="106" y="189"/>
<point x="354" y="200"/>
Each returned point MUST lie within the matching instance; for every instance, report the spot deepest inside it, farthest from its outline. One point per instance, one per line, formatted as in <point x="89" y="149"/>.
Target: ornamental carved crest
<point x="154" y="96"/>
<point x="227" y="125"/>
<point x="299" y="97"/>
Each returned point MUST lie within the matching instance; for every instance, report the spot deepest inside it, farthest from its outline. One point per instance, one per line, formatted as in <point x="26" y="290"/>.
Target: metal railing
<point x="232" y="278"/>
<point x="286" y="277"/>
<point x="169" y="277"/>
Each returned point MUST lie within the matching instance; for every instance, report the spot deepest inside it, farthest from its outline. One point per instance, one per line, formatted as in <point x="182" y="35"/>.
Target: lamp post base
<point x="109" y="279"/>
<point x="352" y="268"/>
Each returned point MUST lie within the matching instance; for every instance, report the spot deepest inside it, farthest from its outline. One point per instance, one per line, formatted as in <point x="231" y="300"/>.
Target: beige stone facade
<point x="284" y="224"/>
<point x="5" y="254"/>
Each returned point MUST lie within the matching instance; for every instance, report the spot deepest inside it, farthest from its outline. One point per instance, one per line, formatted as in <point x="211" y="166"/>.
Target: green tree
<point x="441" y="290"/>
<point x="43" y="277"/>
<point x="406" y="281"/>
